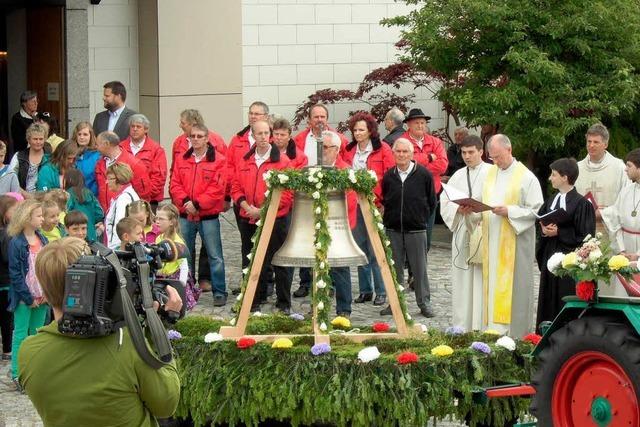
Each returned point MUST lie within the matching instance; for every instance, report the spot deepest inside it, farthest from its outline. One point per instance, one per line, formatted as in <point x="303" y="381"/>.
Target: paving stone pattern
<point x="16" y="409"/>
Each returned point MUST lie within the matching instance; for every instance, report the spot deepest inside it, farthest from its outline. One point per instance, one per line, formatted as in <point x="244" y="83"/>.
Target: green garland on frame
<point x="316" y="182"/>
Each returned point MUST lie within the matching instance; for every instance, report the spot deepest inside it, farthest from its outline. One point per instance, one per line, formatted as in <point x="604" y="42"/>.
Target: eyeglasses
<point x="198" y="136"/>
<point x="326" y="147"/>
<point x="111" y="178"/>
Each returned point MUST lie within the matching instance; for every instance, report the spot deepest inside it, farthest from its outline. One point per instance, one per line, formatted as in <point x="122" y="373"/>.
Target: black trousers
<point x="283" y="276"/>
<point x="6" y="322"/>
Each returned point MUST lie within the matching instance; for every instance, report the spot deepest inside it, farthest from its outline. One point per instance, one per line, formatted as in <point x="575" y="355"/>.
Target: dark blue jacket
<point x="18" y="268"/>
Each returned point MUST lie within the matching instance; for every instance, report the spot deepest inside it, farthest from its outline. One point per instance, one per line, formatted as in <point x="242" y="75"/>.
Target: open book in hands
<point x="460" y="198"/>
<point x="555" y="216"/>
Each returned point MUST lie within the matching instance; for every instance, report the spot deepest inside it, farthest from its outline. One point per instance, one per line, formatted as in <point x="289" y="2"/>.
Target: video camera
<point x="109" y="289"/>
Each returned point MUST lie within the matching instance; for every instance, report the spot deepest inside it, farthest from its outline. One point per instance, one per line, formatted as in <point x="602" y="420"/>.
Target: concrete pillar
<point x="190" y="57"/>
<point x="77" y="51"/>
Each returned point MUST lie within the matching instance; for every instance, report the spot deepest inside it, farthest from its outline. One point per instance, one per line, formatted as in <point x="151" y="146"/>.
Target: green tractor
<point x="588" y="365"/>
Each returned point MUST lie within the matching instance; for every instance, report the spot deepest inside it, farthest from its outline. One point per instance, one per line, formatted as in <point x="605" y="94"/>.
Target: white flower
<point x="266" y="193"/>
<point x="423" y="328"/>
<point x="586" y="239"/>
<point x="373" y="174"/>
<point x="283" y="178"/>
<point x="232" y="322"/>
<point x="391" y="261"/>
<point x="400" y="288"/>
<point x="320" y="306"/>
<point x="376" y="212"/>
<point x="598" y="235"/>
<point x="368" y="354"/>
<point x="318" y="210"/>
<point x="595" y="254"/>
<point x="239" y="297"/>
<point x="257" y="314"/>
<point x="245" y="270"/>
<point x="319" y="185"/>
<point x="317" y="226"/>
<point x="319" y="175"/>
<point x="320" y="284"/>
<point x="408" y="316"/>
<point x="249" y="256"/>
<point x="555" y="262"/>
<point x="506" y="342"/>
<point x="380" y="226"/>
<point x="266" y="175"/>
<point x="387" y="242"/>
<point x="323" y="326"/>
<point x="267" y="183"/>
<point x="318" y="245"/>
<point x="212" y="337"/>
<point x="259" y="222"/>
<point x="315" y="195"/>
<point x="352" y="176"/>
<point x="322" y="264"/>
<point x="311" y="179"/>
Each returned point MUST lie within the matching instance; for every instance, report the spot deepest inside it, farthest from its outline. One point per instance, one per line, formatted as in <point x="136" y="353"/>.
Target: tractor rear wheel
<point x="589" y="375"/>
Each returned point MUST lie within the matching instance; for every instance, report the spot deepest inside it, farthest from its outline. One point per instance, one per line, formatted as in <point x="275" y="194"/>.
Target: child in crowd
<point x="27" y="301"/>
<point x="8" y="205"/>
<point x="129" y="230"/>
<point x="61" y="197"/>
<point x="167" y="217"/>
<point x="83" y="200"/>
<point x="51" y="227"/>
<point x="75" y="223"/>
<point x="8" y="177"/>
<point x="141" y="210"/>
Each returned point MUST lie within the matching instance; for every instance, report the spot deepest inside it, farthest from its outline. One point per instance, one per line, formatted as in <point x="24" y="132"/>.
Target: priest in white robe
<point x="466" y="278"/>
<point x="509" y="240"/>
<point x="603" y="175"/>
<point x="622" y="219"/>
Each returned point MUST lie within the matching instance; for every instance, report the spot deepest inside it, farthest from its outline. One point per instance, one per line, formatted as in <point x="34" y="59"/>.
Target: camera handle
<point x="158" y="333"/>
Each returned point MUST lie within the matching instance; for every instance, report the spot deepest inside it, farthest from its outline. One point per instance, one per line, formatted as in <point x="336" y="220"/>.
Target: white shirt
<point x="197" y="158"/>
<point x="360" y="158"/>
<point x="559" y="201"/>
<point x="261" y="159"/>
<point x="252" y="140"/>
<point x="405" y="174"/>
<point x="108" y="161"/>
<point x="311" y="149"/>
<point x="135" y="148"/>
<point x="113" y="118"/>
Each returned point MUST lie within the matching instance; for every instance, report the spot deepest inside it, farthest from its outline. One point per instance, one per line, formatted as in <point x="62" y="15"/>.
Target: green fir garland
<point x="316" y="182"/>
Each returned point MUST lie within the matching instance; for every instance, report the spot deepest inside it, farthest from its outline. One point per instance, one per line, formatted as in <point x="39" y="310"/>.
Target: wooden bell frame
<point x="238" y="331"/>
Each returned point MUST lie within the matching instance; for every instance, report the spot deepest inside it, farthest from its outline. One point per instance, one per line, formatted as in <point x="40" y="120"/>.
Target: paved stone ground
<point x="16" y="409"/>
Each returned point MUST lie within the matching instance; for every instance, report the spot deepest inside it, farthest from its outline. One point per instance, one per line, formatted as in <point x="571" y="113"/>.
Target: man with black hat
<point x="428" y="151"/>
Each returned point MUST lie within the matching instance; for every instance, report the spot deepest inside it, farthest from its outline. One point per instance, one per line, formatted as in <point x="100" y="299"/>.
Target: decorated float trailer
<point x="588" y="365"/>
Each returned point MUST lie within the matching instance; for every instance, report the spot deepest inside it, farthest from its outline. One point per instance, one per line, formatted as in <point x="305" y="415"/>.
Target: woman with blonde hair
<point x="88" y="155"/>
<point x="119" y="177"/>
<point x="51" y="175"/>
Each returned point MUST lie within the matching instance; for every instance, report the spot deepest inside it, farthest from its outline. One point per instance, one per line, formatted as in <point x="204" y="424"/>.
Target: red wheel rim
<point x="588" y="376"/>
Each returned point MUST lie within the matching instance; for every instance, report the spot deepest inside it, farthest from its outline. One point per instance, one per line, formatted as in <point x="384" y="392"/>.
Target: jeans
<point x="209" y="230"/>
<point x="26" y="321"/>
<point x="341" y="278"/>
<point x="365" y="272"/>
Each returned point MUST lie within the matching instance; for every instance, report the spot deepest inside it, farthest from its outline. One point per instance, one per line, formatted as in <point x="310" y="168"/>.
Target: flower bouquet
<point x="590" y="263"/>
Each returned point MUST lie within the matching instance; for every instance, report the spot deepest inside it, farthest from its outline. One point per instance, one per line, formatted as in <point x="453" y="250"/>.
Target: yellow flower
<point x="442" y="350"/>
<point x="569" y="260"/>
<point x="282" y="343"/>
<point x="341" y="322"/>
<point x="617" y="262"/>
<point x="491" y="332"/>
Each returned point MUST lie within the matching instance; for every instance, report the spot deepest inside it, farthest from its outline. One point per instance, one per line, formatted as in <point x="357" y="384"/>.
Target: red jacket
<point x="202" y="183"/>
<point x="181" y="145"/>
<point x="140" y="181"/>
<point x="430" y="145"/>
<point x="352" y="197"/>
<point x="379" y="161"/>
<point x="248" y="183"/>
<point x="297" y="158"/>
<point x="238" y="147"/>
<point x="153" y="157"/>
<point x="301" y="140"/>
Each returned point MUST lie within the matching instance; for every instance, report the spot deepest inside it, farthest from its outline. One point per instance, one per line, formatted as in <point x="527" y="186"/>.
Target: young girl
<point x="8" y="205"/>
<point x="26" y="299"/>
<point x="83" y="200"/>
<point x="167" y="221"/>
<point x="51" y="227"/>
<point x="141" y="211"/>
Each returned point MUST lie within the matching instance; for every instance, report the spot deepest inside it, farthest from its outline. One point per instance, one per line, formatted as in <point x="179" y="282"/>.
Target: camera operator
<point x="91" y="381"/>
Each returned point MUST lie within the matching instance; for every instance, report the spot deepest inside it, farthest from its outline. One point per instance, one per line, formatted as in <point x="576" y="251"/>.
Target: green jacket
<point x="48" y="177"/>
<point x="90" y="207"/>
<point x="95" y="381"/>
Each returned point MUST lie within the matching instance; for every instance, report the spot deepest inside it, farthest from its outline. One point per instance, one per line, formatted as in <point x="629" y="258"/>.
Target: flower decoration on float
<point x="212" y="337"/>
<point x="407" y="357"/>
<point x="442" y="350"/>
<point x="480" y="347"/>
<point x="245" y="342"/>
<point x="320" y="348"/>
<point x="532" y="338"/>
<point x="315" y="182"/>
<point x="282" y="343"/>
<point x="368" y="354"/>
<point x="506" y="342"/>
<point x="380" y="327"/>
<point x="341" y="322"/>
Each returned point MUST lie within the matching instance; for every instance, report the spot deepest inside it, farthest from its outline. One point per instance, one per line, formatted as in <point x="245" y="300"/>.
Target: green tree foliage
<point x="542" y="70"/>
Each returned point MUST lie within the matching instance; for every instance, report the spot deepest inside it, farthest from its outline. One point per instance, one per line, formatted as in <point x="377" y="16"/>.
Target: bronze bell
<point x="298" y="249"/>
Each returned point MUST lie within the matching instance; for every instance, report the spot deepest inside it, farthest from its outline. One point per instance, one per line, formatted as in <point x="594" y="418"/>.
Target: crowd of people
<point x="107" y="183"/>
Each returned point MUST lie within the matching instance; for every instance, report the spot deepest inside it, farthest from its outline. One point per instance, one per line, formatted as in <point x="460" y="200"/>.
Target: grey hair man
<point x="393" y="122"/>
<point x="408" y="198"/>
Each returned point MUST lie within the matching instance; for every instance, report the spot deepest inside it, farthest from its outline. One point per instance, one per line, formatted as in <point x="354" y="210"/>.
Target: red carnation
<point x="532" y="338"/>
<point x="586" y="290"/>
<point x="380" y="327"/>
<point x="245" y="343"/>
<point x="407" y="357"/>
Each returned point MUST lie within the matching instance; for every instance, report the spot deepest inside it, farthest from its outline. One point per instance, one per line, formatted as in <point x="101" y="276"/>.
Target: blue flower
<point x="455" y="330"/>
<point x="481" y="347"/>
<point x="174" y="335"/>
<point x="321" y="348"/>
<point x="296" y="316"/>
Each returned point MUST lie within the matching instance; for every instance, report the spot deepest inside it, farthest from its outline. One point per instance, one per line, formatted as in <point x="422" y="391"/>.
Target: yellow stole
<point x="507" y="248"/>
